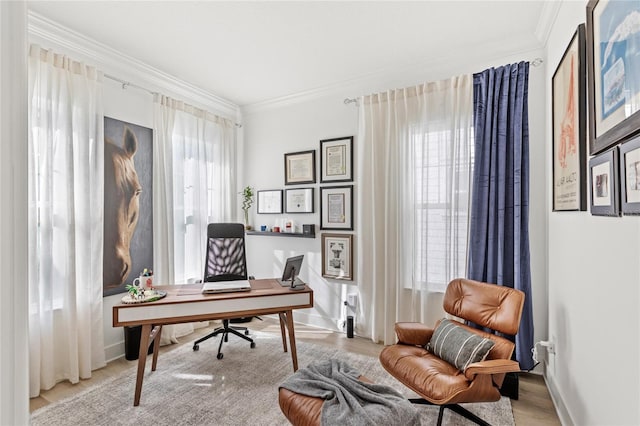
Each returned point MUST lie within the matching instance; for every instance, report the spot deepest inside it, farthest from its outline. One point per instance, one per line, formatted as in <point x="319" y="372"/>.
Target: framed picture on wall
<point x="336" y="208"/>
<point x="299" y="200"/>
<point x="569" y="128"/>
<point x="604" y="183"/>
<point x="337" y="256"/>
<point x="128" y="172"/>
<point x="630" y="177"/>
<point x="300" y="167"/>
<point x="270" y="201"/>
<point x="613" y="32"/>
<point x="336" y="160"/>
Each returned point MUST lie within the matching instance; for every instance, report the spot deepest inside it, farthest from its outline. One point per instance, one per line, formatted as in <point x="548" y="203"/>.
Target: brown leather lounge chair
<point x="439" y="382"/>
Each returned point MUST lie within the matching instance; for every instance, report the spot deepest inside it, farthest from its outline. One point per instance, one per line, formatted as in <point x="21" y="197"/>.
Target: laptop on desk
<point x="225" y="286"/>
<point x="290" y="272"/>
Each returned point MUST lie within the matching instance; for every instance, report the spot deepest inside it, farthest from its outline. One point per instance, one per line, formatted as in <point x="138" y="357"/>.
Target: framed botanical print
<point x="604" y="183"/>
<point x="630" y="177"/>
<point x="569" y="128"/>
<point x="300" y="167"/>
<point x="337" y="256"/>
<point x="336" y="208"/>
<point x="336" y="160"/>
<point x="613" y="34"/>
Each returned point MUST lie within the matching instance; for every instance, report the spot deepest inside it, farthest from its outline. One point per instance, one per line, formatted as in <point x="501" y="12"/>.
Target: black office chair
<point x="225" y="261"/>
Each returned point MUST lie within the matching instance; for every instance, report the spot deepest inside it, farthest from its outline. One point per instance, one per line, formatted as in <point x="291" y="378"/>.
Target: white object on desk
<point x="225" y="286"/>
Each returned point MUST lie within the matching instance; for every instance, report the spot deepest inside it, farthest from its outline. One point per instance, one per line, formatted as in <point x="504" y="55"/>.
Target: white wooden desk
<point x="185" y="303"/>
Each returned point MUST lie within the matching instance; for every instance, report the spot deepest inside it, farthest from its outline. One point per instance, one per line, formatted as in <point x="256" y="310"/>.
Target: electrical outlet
<point x="352" y="299"/>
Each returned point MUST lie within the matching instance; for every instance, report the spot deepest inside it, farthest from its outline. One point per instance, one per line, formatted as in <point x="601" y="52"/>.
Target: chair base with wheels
<point x="225" y="330"/>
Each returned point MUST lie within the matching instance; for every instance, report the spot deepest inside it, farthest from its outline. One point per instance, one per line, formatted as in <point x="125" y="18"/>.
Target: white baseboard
<point x="317" y="321"/>
<point x="114" y="351"/>
<point x="556" y="398"/>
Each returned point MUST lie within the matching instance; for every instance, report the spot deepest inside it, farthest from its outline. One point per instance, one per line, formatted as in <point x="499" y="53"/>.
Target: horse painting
<point x="122" y="191"/>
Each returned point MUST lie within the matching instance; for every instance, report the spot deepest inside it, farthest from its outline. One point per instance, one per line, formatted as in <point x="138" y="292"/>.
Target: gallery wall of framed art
<point x="603" y="54"/>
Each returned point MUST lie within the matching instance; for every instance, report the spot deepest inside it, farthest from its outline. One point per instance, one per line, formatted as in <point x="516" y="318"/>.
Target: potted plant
<point x="247" y="201"/>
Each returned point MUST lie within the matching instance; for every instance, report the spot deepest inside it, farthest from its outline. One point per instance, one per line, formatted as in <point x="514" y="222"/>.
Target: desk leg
<point x="157" y="332"/>
<point x="292" y="339"/>
<point x="147" y="336"/>
<point x="283" y="324"/>
<point x="142" y="360"/>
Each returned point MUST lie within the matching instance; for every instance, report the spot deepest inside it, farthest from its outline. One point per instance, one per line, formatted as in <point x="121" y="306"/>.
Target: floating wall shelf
<point x="280" y="234"/>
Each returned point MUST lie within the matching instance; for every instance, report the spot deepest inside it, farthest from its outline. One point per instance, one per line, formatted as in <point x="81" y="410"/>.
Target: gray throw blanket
<point x="349" y="401"/>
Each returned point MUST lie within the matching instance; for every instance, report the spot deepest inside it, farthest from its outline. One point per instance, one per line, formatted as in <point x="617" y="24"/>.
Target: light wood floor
<point x="534" y="406"/>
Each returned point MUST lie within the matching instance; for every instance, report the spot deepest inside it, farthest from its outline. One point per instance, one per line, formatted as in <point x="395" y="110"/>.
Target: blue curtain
<point x="499" y="228"/>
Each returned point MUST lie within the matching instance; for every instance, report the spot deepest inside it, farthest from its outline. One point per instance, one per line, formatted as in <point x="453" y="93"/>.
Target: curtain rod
<point x="536" y="63"/>
<point x="126" y="84"/>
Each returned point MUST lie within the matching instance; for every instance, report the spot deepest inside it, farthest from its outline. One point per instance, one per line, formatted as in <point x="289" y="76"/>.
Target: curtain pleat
<point x="194" y="185"/>
<point x="66" y="184"/>
<point x="414" y="165"/>
<point x="499" y="229"/>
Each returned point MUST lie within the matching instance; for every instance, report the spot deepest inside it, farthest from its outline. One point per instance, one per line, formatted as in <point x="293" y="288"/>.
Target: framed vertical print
<point x="300" y="167"/>
<point x="336" y="208"/>
<point x="336" y="160"/>
<point x="569" y="129"/>
<point x="630" y="177"/>
<point x="298" y="200"/>
<point x="337" y="256"/>
<point x="613" y="34"/>
<point x="270" y="201"/>
<point x="604" y="183"/>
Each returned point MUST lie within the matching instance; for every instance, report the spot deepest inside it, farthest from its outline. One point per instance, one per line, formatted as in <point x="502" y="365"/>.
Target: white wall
<point x="14" y="318"/>
<point x="270" y="130"/>
<point x="268" y="135"/>
<point x="594" y="292"/>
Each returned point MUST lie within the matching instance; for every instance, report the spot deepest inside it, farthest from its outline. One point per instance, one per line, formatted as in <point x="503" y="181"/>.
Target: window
<point x="443" y="165"/>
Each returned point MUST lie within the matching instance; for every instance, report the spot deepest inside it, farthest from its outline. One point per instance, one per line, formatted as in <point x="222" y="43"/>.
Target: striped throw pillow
<point x="458" y="346"/>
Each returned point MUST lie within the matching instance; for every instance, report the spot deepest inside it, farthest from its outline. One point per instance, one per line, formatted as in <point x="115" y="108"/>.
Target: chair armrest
<point x="492" y="366"/>
<point x="413" y="333"/>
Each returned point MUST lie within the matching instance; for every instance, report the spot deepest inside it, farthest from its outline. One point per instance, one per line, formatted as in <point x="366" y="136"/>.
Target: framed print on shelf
<point x="270" y="201"/>
<point x="298" y="200"/>
<point x="630" y="177"/>
<point x="300" y="167"/>
<point x="604" y="183"/>
<point x="336" y="208"/>
<point x="613" y="32"/>
<point x="337" y="256"/>
<point x="569" y="129"/>
<point x="336" y="160"/>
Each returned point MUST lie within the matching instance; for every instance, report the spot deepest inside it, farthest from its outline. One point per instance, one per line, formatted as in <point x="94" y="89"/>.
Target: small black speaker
<point x="309" y="229"/>
<point x="350" y="326"/>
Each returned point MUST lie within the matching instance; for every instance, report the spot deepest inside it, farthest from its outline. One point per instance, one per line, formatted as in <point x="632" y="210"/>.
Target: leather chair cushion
<point x="303" y="410"/>
<point x="429" y="376"/>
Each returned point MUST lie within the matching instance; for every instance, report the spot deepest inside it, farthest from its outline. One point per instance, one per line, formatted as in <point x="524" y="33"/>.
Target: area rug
<point x="195" y="388"/>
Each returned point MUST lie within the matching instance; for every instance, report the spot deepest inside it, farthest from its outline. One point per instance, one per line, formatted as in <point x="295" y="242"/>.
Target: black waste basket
<point x="132" y="343"/>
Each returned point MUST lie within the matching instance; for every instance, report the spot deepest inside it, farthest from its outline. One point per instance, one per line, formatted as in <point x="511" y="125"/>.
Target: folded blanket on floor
<point x="348" y="401"/>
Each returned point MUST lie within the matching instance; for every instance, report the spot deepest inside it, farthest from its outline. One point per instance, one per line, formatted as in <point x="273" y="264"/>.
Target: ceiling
<point x="252" y="52"/>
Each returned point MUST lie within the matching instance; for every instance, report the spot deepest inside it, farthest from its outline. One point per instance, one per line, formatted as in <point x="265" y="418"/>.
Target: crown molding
<point x="126" y="67"/>
<point x="383" y="79"/>
<point x="548" y="15"/>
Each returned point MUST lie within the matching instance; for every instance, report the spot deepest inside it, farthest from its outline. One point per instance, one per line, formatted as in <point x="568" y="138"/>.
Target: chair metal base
<point x="453" y="407"/>
<point x="225" y="330"/>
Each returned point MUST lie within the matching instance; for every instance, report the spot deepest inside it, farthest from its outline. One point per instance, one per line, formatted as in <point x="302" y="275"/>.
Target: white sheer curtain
<point x="194" y="185"/>
<point x="414" y="167"/>
<point x="66" y="146"/>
